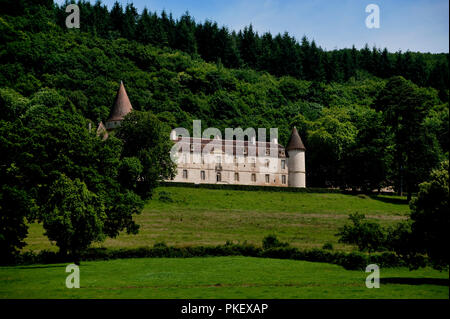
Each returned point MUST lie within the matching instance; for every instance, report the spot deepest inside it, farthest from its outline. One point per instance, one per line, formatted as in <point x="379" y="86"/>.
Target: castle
<point x="259" y="163"/>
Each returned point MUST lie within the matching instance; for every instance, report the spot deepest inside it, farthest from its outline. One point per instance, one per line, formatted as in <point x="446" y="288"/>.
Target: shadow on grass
<point x="33" y="267"/>
<point x="416" y="281"/>
<point x="396" y="201"/>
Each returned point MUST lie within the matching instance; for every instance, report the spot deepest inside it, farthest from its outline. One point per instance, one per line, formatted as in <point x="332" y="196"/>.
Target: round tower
<point x="296" y="160"/>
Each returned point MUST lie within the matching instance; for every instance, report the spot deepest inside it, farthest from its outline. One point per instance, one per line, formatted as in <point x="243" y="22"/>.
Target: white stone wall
<point x="297" y="172"/>
<point x="229" y="165"/>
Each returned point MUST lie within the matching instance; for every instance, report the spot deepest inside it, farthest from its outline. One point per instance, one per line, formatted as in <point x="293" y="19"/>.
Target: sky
<point x="415" y="25"/>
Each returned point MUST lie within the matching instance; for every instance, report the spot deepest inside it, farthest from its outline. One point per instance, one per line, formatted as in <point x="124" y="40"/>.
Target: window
<point x="202" y="175"/>
<point x="267" y="163"/>
<point x="267" y="151"/>
<point x="185" y="173"/>
<point x="253" y="160"/>
<point x="253" y="177"/>
<point x="283" y="179"/>
<point x="218" y="177"/>
<point x="267" y="178"/>
<point x="236" y="177"/>
<point x="283" y="164"/>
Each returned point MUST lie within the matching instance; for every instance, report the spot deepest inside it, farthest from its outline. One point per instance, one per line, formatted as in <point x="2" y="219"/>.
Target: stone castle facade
<point x="210" y="161"/>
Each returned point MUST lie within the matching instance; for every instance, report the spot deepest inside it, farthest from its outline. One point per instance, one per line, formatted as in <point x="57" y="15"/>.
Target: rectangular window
<point x="236" y="177"/>
<point x="185" y="173"/>
<point x="202" y="175"/>
<point x="253" y="177"/>
<point x="283" y="164"/>
<point x="283" y="179"/>
<point x="267" y="178"/>
<point x="267" y="163"/>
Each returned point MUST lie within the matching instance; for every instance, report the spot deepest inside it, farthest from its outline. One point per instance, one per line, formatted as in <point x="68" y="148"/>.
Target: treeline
<point x="366" y="133"/>
<point x="279" y="55"/>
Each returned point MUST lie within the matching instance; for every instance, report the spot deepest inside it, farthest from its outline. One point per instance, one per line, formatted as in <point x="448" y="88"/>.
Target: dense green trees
<point x="424" y="234"/>
<point x="73" y="216"/>
<point x="405" y="107"/>
<point x="351" y="140"/>
<point x="146" y="152"/>
<point x="59" y="172"/>
<point x="430" y="217"/>
<point x="364" y="126"/>
<point x="280" y="54"/>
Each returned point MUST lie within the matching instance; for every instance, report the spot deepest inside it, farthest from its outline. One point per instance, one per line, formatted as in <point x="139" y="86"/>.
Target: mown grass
<point x="217" y="277"/>
<point x="211" y="217"/>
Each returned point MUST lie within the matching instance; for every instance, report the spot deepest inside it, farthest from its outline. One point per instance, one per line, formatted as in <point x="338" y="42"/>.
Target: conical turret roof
<point x="122" y="105"/>
<point x="295" y="142"/>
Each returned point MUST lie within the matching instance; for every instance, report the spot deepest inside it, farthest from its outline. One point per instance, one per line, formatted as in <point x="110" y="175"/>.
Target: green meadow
<point x="217" y="277"/>
<point x="211" y="217"/>
<point x="182" y="216"/>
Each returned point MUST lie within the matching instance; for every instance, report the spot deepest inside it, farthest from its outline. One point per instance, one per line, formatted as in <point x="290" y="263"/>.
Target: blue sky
<point x="416" y="25"/>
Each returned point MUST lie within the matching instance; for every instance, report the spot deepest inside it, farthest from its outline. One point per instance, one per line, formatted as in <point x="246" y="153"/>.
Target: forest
<point x="369" y="118"/>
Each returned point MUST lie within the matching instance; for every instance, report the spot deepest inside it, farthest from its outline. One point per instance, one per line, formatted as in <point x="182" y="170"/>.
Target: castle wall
<point x="263" y="171"/>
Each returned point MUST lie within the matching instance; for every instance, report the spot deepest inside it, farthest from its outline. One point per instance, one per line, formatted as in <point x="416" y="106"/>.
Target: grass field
<point x="211" y="217"/>
<point x="217" y="277"/>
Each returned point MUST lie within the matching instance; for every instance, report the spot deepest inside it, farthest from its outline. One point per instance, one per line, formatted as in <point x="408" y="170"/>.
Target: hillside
<point x="182" y="216"/>
<point x="349" y="141"/>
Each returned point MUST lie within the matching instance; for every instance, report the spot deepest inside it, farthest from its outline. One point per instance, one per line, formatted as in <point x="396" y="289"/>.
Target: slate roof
<point x="122" y="105"/>
<point x="295" y="142"/>
<point x="231" y="144"/>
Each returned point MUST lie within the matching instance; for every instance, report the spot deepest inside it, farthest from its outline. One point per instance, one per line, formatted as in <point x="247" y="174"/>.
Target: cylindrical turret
<point x="296" y="160"/>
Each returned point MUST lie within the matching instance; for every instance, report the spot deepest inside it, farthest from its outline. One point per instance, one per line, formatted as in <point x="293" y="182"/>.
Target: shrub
<point x="271" y="241"/>
<point x="254" y="188"/>
<point x="368" y="236"/>
<point x="160" y="245"/>
<point x="353" y="261"/>
<point x="327" y="246"/>
<point x="165" y="197"/>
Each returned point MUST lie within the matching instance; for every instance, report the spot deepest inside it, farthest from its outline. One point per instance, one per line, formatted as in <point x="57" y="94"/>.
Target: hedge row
<point x="253" y="188"/>
<point x="353" y="260"/>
